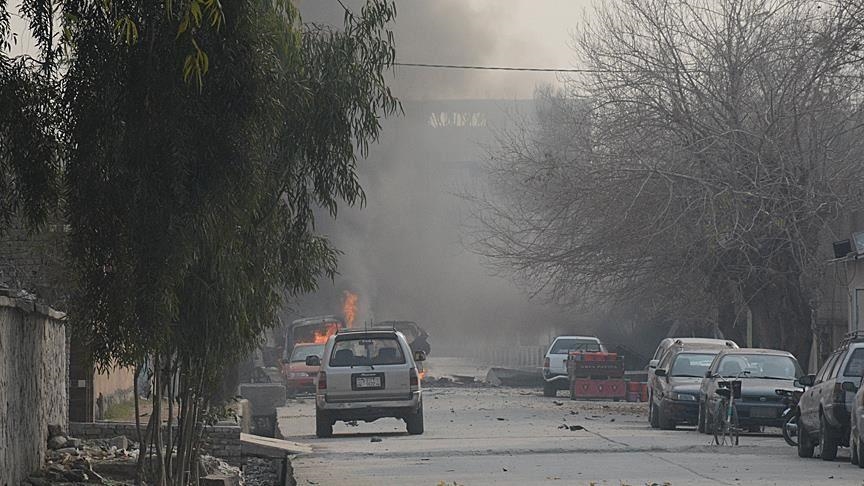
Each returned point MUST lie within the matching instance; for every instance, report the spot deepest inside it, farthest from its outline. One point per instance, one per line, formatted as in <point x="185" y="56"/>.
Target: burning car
<point x="417" y="337"/>
<point x="314" y="330"/>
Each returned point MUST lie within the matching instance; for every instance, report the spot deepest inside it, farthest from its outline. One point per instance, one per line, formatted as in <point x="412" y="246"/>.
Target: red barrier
<point x="608" y="389"/>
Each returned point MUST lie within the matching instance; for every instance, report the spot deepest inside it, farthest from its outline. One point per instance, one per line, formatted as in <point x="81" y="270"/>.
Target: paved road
<point x="510" y="436"/>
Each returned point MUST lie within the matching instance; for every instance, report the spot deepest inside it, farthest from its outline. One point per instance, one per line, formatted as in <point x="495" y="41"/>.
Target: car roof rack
<point x="853" y="337"/>
<point x="360" y="330"/>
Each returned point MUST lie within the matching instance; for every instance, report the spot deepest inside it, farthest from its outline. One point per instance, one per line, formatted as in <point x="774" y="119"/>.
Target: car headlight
<point x="684" y="397"/>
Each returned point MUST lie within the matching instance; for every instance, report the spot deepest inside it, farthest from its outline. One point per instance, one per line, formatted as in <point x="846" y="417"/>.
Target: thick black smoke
<point x="403" y="252"/>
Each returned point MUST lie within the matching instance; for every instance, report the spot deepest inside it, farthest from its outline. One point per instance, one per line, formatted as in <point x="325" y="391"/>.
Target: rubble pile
<point x="70" y="460"/>
<point x="462" y="381"/>
<point x="215" y="467"/>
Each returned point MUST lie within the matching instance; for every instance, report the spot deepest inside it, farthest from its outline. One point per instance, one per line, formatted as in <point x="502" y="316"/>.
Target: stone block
<point x="120" y="442"/>
<point x="263" y="398"/>
<point x="219" y="480"/>
<point x="57" y="442"/>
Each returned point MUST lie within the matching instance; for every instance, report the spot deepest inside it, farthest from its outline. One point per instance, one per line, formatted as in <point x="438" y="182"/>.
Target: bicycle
<point x="726" y="417"/>
<point x="791" y="415"/>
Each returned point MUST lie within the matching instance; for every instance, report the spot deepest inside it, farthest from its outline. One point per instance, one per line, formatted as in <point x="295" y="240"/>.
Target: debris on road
<point x="514" y="377"/>
<point x="376" y="439"/>
<point x="557" y="403"/>
<point x="454" y="381"/>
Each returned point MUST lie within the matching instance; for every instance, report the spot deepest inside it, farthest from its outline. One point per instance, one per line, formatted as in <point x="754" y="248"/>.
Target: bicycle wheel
<point x="733" y="427"/>
<point x="790" y="430"/>
<point x="719" y="425"/>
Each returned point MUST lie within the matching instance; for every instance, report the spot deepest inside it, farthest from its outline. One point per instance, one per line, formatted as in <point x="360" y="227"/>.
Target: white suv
<point x="367" y="375"/>
<point x="555" y="374"/>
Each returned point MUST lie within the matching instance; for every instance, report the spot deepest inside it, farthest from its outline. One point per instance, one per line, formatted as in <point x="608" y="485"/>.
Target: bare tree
<point x="695" y="169"/>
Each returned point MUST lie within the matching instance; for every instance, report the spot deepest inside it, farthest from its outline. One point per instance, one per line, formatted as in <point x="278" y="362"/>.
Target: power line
<point x="497" y="68"/>
<point x="562" y="70"/>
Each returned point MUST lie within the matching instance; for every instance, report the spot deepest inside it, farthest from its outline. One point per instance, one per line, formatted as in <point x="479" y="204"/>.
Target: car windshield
<point x="564" y="346"/>
<point x="759" y="366"/>
<point x="366" y="351"/>
<point x="691" y="365"/>
<point x="301" y="352"/>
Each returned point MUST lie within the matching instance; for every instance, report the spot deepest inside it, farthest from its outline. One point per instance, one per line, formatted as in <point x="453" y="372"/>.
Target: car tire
<point x="414" y="422"/>
<point x="650" y="408"/>
<point x="853" y="449"/>
<point x="549" y="389"/>
<point x="805" y="445"/>
<point x="655" y="416"/>
<point x="666" y="422"/>
<point x="323" y="424"/>
<point x="827" y="443"/>
<point x="860" y="453"/>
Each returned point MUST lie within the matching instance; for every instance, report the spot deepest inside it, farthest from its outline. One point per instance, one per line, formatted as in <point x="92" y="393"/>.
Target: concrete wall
<point x="852" y="271"/>
<point x="222" y="441"/>
<point x="33" y="371"/>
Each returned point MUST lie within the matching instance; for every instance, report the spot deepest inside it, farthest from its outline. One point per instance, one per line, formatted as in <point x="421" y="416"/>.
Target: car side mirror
<point x="653" y="363"/>
<point x="708" y="374"/>
<point x="660" y="372"/>
<point x="808" y="380"/>
<point x="419" y="356"/>
<point x="849" y="387"/>
<point x="313" y="361"/>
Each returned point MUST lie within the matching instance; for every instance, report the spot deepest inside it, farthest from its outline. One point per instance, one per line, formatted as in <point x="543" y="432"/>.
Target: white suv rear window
<point x="565" y="346"/>
<point x="365" y="351"/>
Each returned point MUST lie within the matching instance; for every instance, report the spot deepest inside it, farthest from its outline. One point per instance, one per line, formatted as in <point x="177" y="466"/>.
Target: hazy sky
<point x="522" y="33"/>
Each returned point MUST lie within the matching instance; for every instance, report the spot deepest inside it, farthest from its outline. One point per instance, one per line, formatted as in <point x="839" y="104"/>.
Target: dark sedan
<point x="762" y="372"/>
<point x="676" y="393"/>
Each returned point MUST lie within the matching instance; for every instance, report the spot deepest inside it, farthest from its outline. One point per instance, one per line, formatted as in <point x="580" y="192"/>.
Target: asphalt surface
<point x="512" y="436"/>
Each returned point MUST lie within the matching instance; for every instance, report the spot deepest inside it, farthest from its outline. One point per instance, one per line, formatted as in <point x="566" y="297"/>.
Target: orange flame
<point x="349" y="308"/>
<point x="422" y="374"/>
<point x="320" y="336"/>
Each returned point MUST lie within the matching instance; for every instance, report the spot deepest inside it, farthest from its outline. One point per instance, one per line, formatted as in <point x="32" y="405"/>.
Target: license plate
<point x="368" y="381"/>
<point x="763" y="412"/>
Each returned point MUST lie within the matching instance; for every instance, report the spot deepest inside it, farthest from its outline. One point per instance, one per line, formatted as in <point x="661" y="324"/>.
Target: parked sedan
<point x="856" y="433"/>
<point x="676" y="394"/>
<point x="762" y="372"/>
<point x="297" y="376"/>
<point x="662" y="355"/>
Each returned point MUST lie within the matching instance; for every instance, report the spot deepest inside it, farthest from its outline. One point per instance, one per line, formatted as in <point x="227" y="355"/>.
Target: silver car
<point x="367" y="375"/>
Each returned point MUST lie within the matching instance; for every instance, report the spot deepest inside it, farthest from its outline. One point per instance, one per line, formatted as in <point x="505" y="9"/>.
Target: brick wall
<point x="222" y="441"/>
<point x="33" y="372"/>
<point x="34" y="261"/>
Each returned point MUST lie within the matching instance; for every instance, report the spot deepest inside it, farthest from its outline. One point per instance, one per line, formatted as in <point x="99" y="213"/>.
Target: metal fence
<point x="495" y="354"/>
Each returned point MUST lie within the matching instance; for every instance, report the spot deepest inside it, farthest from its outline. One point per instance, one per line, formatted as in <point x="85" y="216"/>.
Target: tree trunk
<point x="781" y="320"/>
<point x="157" y="417"/>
